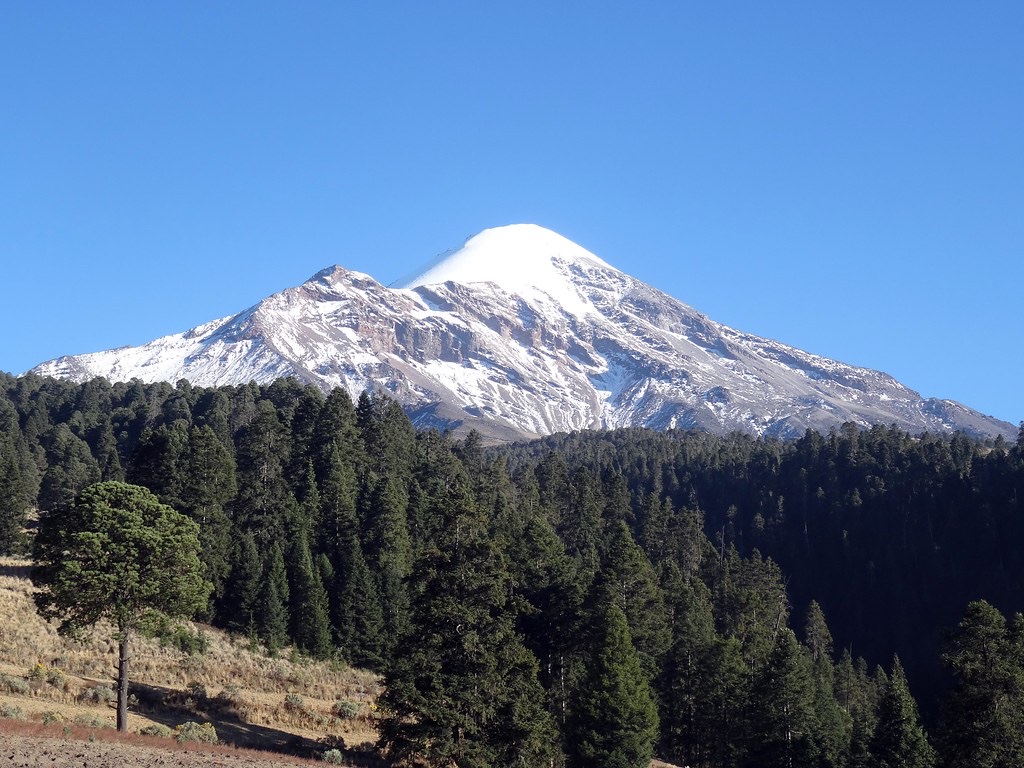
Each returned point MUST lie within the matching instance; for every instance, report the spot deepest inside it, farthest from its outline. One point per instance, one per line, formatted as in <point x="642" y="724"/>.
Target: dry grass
<point x="251" y="698"/>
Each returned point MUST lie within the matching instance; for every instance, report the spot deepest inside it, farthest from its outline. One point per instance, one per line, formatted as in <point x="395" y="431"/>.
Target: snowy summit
<point x="523" y="259"/>
<point x="522" y="332"/>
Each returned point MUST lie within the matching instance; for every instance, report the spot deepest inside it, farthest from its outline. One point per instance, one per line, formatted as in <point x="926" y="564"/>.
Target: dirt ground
<point x="18" y="751"/>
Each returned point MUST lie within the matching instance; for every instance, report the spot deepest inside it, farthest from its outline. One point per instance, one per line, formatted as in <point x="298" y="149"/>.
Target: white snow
<point x="524" y="259"/>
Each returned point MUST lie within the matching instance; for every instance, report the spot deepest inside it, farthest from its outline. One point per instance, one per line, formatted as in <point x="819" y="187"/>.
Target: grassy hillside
<point x="251" y="700"/>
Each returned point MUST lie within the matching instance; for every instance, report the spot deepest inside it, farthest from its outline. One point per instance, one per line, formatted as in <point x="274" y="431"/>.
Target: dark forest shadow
<point x="171" y="707"/>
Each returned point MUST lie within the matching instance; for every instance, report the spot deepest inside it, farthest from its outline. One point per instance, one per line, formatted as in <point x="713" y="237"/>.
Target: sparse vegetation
<point x="203" y="733"/>
<point x="233" y="681"/>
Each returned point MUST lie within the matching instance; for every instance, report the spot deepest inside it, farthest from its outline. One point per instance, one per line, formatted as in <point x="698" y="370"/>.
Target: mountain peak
<point x="527" y="332"/>
<point x="517" y="258"/>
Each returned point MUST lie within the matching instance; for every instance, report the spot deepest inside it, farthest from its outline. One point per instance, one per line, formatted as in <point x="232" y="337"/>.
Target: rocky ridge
<point x="523" y="333"/>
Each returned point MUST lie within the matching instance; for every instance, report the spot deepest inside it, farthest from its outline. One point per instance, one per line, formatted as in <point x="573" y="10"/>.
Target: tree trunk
<point x="122" y="683"/>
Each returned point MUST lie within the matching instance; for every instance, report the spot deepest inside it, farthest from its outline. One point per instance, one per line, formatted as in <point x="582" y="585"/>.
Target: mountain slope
<point x="522" y="332"/>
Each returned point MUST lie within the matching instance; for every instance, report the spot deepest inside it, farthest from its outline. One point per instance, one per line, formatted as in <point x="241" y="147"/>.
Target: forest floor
<point x="61" y="691"/>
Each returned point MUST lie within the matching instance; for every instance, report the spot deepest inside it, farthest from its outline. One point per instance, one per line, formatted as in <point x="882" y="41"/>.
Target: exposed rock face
<point x="524" y="333"/>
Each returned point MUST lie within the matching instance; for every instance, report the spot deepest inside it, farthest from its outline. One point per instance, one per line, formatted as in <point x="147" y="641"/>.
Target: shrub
<point x="186" y="641"/>
<point x="333" y="756"/>
<point x="294" y="703"/>
<point x="98" y="694"/>
<point x="346" y="710"/>
<point x="157" y="729"/>
<point x="56" y="678"/>
<point x="191" y="731"/>
<point x="12" y="684"/>
<point x="92" y="721"/>
<point x="11" y="712"/>
<point x="38" y="673"/>
<point x="196" y="691"/>
<point x="52" y="717"/>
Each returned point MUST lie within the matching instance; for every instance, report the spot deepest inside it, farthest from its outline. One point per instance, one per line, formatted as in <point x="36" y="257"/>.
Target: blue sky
<point x="844" y="177"/>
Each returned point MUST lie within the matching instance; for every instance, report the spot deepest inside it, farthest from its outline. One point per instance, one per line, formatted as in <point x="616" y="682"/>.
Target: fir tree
<point x="462" y="689"/>
<point x="310" y="623"/>
<point x="240" y="604"/>
<point x="783" y="728"/>
<point x="984" y="713"/>
<point x="273" y="613"/>
<point x="614" y="718"/>
<point x="899" y="740"/>
<point x="628" y="579"/>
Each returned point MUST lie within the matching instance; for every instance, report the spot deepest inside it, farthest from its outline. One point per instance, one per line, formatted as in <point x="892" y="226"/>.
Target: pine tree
<point x="702" y="685"/>
<point x="264" y="502"/>
<point x="628" y="579"/>
<point x="984" y="713"/>
<point x="833" y="723"/>
<point x="614" y="720"/>
<point x="14" y="501"/>
<point x="783" y="727"/>
<point x="310" y="623"/>
<point x="387" y="548"/>
<point x="240" y="604"/>
<point x="462" y="689"/>
<point x="899" y="740"/>
<point x="358" y="619"/>
<point x="273" y="614"/>
<point x="207" y="486"/>
<point x="355" y="609"/>
<point x="551" y="619"/>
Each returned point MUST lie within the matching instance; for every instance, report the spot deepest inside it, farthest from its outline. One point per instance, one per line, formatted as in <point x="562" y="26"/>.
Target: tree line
<point x="586" y="599"/>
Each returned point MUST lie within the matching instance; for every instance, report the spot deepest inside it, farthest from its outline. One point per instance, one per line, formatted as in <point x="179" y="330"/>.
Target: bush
<point x="11" y="712"/>
<point x="294" y="703"/>
<point x="52" y="717"/>
<point x="157" y="729"/>
<point x="333" y="756"/>
<point x="56" y="678"/>
<point x="196" y="691"/>
<point x="190" y="731"/>
<point x="189" y="643"/>
<point x="12" y="684"/>
<point x="98" y="694"/>
<point x="92" y="721"/>
<point x="38" y="673"/>
<point x="345" y="710"/>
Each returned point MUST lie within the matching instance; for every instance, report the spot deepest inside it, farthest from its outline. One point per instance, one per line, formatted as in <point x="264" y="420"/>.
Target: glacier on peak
<point x="524" y="259"/>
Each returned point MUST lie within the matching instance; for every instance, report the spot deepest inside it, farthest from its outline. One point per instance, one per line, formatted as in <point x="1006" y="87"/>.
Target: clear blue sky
<point x="844" y="177"/>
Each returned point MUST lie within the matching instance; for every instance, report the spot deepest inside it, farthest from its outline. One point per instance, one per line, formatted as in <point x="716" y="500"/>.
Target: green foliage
<point x="783" y="728"/>
<point x="707" y="540"/>
<point x="13" y="684"/>
<point x="614" y="718"/>
<point x="11" y="712"/>
<point x="203" y="733"/>
<point x="899" y="740"/>
<point x="121" y="555"/>
<point x="984" y="712"/>
<point x="346" y="710"/>
<point x="157" y="729"/>
<point x="462" y="689"/>
<point x="311" y="627"/>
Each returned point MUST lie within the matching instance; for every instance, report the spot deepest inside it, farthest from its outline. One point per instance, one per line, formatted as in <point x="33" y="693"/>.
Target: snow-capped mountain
<point x="522" y="332"/>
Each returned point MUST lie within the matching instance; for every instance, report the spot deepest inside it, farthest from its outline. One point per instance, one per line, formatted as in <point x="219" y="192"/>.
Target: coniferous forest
<point x="844" y="599"/>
